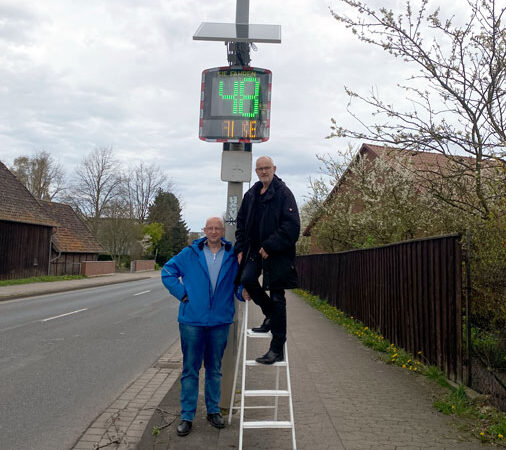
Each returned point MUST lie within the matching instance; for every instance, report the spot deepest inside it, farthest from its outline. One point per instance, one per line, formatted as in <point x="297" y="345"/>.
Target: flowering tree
<point x="362" y="202"/>
<point x="457" y="93"/>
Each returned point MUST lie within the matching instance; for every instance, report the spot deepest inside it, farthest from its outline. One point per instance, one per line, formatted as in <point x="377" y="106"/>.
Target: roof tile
<point x="17" y="204"/>
<point x="72" y="235"/>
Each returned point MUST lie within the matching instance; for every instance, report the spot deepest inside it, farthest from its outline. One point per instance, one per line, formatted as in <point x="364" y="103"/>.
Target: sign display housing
<point x="235" y="104"/>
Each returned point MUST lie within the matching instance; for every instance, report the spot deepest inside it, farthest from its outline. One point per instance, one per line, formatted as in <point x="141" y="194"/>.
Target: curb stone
<point x="14" y="292"/>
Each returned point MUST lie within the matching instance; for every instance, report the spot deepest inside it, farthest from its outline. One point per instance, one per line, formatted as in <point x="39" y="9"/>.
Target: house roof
<point x="72" y="235"/>
<point x="420" y="161"/>
<point x="17" y="204"/>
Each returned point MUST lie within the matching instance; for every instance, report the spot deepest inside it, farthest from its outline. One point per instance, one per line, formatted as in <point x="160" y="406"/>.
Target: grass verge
<point x="40" y="279"/>
<point x="483" y="421"/>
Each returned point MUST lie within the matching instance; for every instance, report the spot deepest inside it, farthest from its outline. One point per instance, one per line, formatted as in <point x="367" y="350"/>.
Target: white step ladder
<point x="275" y="393"/>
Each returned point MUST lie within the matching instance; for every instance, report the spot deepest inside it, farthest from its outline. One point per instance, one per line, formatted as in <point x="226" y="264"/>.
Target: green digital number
<point x="238" y="96"/>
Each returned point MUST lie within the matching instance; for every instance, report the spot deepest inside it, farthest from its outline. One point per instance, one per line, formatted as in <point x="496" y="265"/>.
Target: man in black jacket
<point x="268" y="226"/>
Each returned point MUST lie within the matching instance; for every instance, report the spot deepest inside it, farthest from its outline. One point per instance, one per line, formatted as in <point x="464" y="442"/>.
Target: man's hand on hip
<point x="264" y="254"/>
<point x="239" y="257"/>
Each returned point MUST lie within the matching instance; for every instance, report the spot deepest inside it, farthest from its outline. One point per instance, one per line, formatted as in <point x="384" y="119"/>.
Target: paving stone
<point x="344" y="398"/>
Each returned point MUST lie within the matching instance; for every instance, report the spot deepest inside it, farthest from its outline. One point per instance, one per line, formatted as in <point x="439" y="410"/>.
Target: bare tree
<point x="118" y="233"/>
<point x="41" y="174"/>
<point x="141" y="185"/>
<point x="457" y="96"/>
<point x="97" y="185"/>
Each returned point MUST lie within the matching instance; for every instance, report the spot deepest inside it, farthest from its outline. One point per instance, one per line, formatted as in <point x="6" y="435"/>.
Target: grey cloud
<point x="16" y="23"/>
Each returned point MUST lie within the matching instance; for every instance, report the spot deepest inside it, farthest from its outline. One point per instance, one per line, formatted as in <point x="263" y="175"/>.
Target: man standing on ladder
<point x="268" y="227"/>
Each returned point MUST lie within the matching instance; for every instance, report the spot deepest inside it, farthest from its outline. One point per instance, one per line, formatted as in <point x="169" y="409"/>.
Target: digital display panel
<point x="235" y="104"/>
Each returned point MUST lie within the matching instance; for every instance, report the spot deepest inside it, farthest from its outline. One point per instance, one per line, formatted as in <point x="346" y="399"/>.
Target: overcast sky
<point x="78" y="75"/>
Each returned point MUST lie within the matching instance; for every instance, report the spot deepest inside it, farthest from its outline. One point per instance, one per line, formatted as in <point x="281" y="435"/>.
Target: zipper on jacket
<point x="227" y="256"/>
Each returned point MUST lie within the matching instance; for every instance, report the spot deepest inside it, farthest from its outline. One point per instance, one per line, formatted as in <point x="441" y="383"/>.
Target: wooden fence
<point x="410" y="292"/>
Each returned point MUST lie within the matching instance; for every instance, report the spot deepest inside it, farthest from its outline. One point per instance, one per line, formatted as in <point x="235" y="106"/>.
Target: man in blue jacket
<point x="202" y="277"/>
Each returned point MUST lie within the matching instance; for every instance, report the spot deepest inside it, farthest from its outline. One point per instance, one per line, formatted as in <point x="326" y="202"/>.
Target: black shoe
<point x="184" y="428"/>
<point x="216" y="420"/>
<point x="270" y="358"/>
<point x="264" y="328"/>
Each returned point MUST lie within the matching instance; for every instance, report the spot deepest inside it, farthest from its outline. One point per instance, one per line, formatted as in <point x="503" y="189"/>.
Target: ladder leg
<point x="236" y="370"/>
<point x="243" y="375"/>
<point x="290" y="403"/>
<point x="276" y="399"/>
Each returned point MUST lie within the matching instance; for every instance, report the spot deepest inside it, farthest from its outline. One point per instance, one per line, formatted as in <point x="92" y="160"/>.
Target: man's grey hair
<point x="267" y="157"/>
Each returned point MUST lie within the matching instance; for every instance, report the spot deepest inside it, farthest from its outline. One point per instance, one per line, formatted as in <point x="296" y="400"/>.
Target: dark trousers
<point x="273" y="306"/>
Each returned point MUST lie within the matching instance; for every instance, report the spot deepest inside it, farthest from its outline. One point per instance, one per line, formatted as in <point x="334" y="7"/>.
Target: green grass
<point x="455" y="402"/>
<point x="436" y="375"/>
<point x="40" y="279"/>
<point x="484" y="422"/>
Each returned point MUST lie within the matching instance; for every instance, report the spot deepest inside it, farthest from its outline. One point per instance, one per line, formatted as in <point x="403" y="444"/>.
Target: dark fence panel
<point x="69" y="263"/>
<point x="410" y="292"/>
<point x="24" y="250"/>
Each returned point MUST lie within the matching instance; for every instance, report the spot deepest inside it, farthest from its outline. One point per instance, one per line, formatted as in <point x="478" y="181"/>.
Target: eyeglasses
<point x="212" y="229"/>
<point x="265" y="169"/>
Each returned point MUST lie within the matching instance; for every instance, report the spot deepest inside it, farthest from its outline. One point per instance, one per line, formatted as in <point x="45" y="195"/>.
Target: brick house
<point x="425" y="163"/>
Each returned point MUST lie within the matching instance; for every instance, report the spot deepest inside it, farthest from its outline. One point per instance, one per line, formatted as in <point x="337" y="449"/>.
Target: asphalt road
<point x="65" y="357"/>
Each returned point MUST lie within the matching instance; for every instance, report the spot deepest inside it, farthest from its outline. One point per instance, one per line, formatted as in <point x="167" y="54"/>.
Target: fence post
<point x="468" y="308"/>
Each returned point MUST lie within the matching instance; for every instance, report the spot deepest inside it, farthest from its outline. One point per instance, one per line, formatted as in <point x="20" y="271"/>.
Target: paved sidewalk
<point x="344" y="398"/>
<point x="51" y="287"/>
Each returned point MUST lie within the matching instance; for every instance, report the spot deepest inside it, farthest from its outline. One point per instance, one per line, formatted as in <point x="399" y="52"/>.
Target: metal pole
<point x="237" y="54"/>
<point x="234" y="199"/>
<point x="242" y="11"/>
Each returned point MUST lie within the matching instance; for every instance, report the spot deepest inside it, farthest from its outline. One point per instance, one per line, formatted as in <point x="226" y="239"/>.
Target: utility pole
<point x="237" y="55"/>
<point x="237" y="130"/>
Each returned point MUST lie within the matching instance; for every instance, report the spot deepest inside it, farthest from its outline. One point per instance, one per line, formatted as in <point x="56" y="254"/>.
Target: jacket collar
<point x="199" y="243"/>
<point x="271" y="190"/>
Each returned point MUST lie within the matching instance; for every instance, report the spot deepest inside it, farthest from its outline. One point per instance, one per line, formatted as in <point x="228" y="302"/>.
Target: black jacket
<point x="278" y="231"/>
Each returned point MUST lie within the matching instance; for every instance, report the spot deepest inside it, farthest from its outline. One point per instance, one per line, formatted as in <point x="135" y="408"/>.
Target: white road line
<point x="143" y="292"/>
<point x="63" y="315"/>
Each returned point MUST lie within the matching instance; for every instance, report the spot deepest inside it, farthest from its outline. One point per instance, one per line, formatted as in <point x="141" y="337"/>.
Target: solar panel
<point x="238" y="32"/>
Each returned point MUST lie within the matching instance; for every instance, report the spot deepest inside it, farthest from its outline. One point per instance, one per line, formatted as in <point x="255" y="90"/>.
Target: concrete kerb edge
<point x="104" y="425"/>
<point x="68" y="288"/>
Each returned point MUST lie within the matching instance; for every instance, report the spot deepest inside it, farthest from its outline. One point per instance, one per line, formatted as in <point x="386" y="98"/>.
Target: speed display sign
<point x="235" y="104"/>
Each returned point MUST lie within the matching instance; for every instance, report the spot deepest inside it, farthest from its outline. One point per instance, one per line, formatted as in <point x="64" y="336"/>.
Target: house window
<point x="35" y="261"/>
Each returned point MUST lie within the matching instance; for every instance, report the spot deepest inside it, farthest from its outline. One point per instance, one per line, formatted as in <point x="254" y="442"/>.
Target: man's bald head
<point x="214" y="230"/>
<point x="265" y="170"/>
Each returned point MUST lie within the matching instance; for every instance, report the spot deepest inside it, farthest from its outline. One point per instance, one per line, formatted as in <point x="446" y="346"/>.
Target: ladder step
<point x="266" y="393"/>
<point x="254" y="334"/>
<point x="252" y="362"/>
<point x="267" y="424"/>
<point x="255" y="407"/>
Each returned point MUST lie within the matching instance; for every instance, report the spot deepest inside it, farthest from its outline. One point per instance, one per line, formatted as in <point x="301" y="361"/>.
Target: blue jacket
<point x="187" y="274"/>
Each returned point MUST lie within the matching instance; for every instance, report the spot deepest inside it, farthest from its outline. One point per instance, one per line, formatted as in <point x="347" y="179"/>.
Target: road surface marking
<point x="143" y="292"/>
<point x="63" y="315"/>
